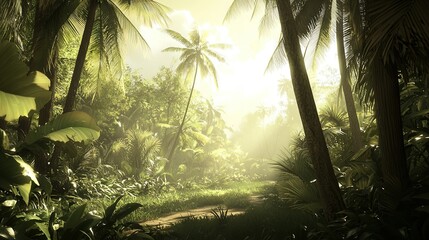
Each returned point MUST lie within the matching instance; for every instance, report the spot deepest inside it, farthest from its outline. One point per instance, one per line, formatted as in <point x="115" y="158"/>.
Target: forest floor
<point x="200" y="212"/>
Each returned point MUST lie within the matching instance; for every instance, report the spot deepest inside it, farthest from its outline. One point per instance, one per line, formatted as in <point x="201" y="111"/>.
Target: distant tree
<point x="195" y="55"/>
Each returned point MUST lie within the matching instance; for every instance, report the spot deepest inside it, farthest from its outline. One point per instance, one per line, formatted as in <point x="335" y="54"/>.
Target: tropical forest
<point x="214" y="119"/>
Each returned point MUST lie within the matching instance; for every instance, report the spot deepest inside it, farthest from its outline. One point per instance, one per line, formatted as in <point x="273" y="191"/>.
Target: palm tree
<point x="326" y="180"/>
<point x="345" y="81"/>
<point x="105" y="23"/>
<point x="395" y="39"/>
<point x="196" y="54"/>
<point x="315" y="20"/>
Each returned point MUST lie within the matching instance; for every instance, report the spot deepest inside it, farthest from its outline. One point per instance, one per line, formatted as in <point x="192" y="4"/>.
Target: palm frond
<point x="211" y="68"/>
<point x="148" y="12"/>
<point x="178" y="37"/>
<point x="392" y="19"/>
<point x="270" y="18"/>
<point x="296" y="164"/>
<point x="333" y="117"/>
<point x="132" y="30"/>
<point x="302" y="196"/>
<point x="12" y="21"/>
<point x="174" y="49"/>
<point x="278" y="58"/>
<point x="238" y="6"/>
<point x="307" y="15"/>
<point x="215" y="55"/>
<point x="320" y="37"/>
<point x="218" y="45"/>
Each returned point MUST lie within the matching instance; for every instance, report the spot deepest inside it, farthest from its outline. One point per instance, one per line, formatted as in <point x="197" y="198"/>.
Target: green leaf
<point x="15" y="172"/>
<point x="75" y="217"/>
<point x="109" y="210"/>
<point x="27" y="170"/>
<point x="44" y="228"/>
<point x="125" y="210"/>
<point x="76" y="126"/>
<point x="24" y="190"/>
<point x="7" y="233"/>
<point x="20" y="91"/>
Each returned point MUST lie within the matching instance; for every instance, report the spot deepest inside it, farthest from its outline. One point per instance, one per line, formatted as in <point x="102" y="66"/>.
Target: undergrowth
<point x="232" y="195"/>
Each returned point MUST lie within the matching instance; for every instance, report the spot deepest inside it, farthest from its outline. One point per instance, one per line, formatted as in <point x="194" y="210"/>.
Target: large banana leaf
<point x="76" y="126"/>
<point x="20" y="91"/>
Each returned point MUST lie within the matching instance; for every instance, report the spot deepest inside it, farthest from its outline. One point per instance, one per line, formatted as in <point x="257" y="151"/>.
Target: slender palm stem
<point x="347" y="90"/>
<point x="326" y="180"/>
<point x="179" y="131"/>
<point x="80" y="60"/>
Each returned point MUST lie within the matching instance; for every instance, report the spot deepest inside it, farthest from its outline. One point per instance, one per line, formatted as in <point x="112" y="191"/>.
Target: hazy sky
<point x="243" y="86"/>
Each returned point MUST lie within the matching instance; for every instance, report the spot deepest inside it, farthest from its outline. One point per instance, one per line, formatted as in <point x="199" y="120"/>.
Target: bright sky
<point x="243" y="86"/>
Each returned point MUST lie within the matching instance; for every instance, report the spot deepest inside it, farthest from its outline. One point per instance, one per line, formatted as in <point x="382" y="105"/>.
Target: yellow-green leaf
<point x="76" y="126"/>
<point x="20" y="91"/>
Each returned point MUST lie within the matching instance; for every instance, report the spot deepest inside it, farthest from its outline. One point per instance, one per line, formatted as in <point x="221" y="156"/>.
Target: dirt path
<point x="205" y="211"/>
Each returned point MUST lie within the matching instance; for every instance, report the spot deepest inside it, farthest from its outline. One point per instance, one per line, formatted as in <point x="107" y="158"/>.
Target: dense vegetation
<point x="89" y="149"/>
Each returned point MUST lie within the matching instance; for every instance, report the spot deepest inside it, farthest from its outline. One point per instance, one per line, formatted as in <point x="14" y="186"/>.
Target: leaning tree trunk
<point x="179" y="131"/>
<point x="347" y="90"/>
<point x="77" y="72"/>
<point x="326" y="180"/>
<point x="80" y="60"/>
<point x="389" y="122"/>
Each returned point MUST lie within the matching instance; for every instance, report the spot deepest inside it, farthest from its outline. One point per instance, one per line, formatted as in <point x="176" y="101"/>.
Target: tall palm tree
<point x="319" y="21"/>
<point x="326" y="180"/>
<point x="395" y="45"/>
<point x="196" y="54"/>
<point x="106" y="21"/>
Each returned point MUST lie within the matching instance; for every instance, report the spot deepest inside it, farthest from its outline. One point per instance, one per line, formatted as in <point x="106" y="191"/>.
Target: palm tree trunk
<point x="45" y="113"/>
<point x="347" y="90"/>
<point x="80" y="60"/>
<point x="326" y="180"/>
<point x="389" y="122"/>
<point x="179" y="131"/>
<point x="74" y="84"/>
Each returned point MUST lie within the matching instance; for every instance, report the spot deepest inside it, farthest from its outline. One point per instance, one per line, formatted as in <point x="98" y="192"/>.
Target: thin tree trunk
<point x="389" y="122"/>
<point x="80" y="60"/>
<point x="179" y="131"/>
<point x="40" y="62"/>
<point x="77" y="72"/>
<point x="326" y="180"/>
<point x="45" y="113"/>
<point x="347" y="90"/>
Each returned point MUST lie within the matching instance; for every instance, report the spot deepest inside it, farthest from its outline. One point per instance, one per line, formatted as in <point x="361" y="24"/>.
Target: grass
<point x="232" y="195"/>
<point x="271" y="220"/>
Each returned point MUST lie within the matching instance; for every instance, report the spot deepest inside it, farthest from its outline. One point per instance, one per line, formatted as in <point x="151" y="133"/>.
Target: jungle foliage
<point x="77" y="127"/>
